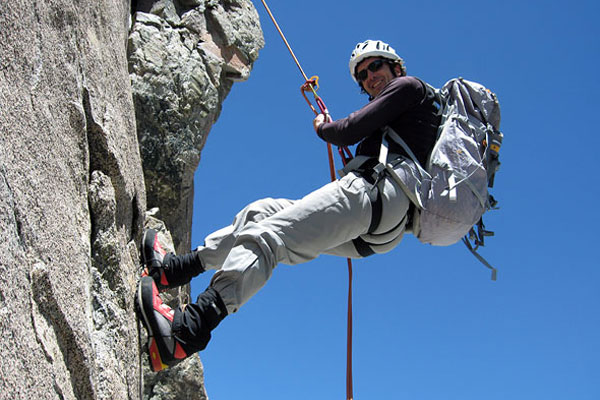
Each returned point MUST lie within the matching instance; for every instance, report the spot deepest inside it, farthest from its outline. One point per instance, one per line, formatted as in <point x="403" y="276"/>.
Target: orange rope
<point x="310" y="85"/>
<point x="349" y="389"/>
<point x="284" y="39"/>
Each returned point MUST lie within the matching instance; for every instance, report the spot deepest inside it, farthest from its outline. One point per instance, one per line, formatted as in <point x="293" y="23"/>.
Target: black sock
<point x="193" y="325"/>
<point x="181" y="269"/>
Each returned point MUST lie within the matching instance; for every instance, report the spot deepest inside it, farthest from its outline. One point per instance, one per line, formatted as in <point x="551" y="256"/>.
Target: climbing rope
<point x="311" y="85"/>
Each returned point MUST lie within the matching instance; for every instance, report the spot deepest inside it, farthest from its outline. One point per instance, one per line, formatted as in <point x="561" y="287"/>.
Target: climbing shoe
<point x="153" y="256"/>
<point x="175" y="334"/>
<point x="163" y="348"/>
<point x="167" y="269"/>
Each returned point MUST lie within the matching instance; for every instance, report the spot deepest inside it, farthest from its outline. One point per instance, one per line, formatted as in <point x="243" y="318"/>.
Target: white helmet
<point x="371" y="48"/>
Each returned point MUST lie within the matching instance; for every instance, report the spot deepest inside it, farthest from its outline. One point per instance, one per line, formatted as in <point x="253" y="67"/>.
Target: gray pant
<point x="272" y="231"/>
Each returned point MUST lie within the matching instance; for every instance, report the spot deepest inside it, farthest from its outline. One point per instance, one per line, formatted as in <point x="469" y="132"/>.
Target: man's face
<point x="377" y="73"/>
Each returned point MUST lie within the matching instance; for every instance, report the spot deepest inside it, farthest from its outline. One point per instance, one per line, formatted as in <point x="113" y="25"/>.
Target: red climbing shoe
<point x="164" y="348"/>
<point x="167" y="269"/>
<point x="153" y="256"/>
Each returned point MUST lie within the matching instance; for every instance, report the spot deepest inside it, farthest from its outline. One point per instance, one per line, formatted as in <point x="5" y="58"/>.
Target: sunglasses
<point x="374" y="66"/>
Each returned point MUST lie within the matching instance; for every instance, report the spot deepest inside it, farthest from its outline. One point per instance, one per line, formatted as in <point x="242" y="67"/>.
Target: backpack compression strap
<point x="478" y="239"/>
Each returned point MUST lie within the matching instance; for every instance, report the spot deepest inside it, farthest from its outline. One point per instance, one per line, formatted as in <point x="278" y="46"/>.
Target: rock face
<point x="184" y="56"/>
<point x="72" y="202"/>
<point x="73" y="189"/>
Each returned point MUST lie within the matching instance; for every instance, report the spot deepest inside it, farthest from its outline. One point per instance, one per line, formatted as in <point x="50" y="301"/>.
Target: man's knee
<point x="263" y="208"/>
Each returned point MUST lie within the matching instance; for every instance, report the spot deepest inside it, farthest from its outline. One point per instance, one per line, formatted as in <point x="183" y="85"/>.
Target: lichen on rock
<point x="184" y="57"/>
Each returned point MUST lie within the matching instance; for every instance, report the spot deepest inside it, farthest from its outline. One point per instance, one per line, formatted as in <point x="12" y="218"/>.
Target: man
<point x="362" y="213"/>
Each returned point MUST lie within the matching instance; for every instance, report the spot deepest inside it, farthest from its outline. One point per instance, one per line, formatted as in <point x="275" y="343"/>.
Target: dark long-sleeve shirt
<point x="405" y="105"/>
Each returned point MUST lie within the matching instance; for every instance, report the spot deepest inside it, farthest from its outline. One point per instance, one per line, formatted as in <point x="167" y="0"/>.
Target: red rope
<point x="311" y="85"/>
<point x="346" y="156"/>
<point x="349" y="388"/>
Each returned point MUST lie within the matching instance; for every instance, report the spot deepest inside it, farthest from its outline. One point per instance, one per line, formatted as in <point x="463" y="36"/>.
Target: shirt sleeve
<point x="396" y="98"/>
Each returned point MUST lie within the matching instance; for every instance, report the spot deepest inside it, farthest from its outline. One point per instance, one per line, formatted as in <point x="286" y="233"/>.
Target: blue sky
<point x="428" y="321"/>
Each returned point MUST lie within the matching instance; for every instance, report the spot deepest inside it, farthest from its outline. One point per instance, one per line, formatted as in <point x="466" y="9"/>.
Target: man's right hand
<point x="318" y="121"/>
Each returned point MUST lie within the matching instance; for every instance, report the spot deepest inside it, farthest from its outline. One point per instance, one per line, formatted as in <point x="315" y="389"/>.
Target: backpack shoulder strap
<point x="389" y="132"/>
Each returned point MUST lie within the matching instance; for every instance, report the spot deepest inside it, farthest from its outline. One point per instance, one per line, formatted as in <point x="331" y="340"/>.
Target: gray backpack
<point x="451" y="193"/>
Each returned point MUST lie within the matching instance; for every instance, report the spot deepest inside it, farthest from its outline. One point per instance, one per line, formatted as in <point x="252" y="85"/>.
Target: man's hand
<point x="319" y="120"/>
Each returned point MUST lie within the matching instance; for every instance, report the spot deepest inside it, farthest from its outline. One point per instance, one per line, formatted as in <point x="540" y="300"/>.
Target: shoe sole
<point x="148" y="241"/>
<point x="155" y="359"/>
<point x="140" y="306"/>
<point x="144" y="258"/>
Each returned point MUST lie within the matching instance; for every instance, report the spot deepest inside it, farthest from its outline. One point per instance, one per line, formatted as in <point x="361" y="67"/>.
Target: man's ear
<point x="398" y="70"/>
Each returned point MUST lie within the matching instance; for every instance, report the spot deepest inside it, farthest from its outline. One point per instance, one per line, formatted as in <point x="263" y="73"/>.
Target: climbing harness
<point x="311" y="85"/>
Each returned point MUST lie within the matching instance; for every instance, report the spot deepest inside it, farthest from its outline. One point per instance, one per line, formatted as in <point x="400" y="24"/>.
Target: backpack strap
<point x="413" y="195"/>
<point x="478" y="238"/>
<point x="387" y="131"/>
<point x="494" y="142"/>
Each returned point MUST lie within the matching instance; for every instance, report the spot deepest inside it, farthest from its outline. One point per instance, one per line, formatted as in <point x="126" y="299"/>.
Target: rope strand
<point x="284" y="39"/>
<point x="310" y="85"/>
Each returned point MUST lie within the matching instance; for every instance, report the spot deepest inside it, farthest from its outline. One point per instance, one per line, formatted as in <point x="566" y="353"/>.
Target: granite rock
<point x="184" y="57"/>
<point x="100" y="106"/>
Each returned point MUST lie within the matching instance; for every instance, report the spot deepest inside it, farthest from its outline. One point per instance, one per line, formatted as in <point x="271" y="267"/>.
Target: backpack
<point x="452" y="192"/>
